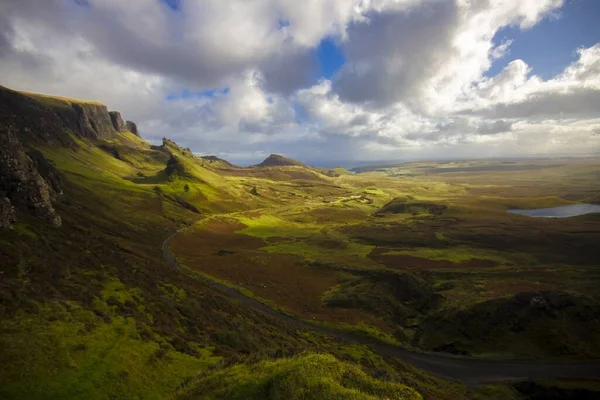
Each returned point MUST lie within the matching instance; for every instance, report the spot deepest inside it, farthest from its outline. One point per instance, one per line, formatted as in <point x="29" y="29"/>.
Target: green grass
<point x="312" y="376"/>
<point x="266" y="226"/>
<point x="375" y="191"/>
<point x="67" y="352"/>
<point x="24" y="230"/>
<point x="317" y="250"/>
<point x="57" y="101"/>
<point x="454" y="254"/>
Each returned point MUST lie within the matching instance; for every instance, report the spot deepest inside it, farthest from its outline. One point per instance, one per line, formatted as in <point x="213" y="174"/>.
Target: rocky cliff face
<point x="132" y="127"/>
<point x="27" y="180"/>
<point x="117" y="121"/>
<point x="46" y="120"/>
<point x="7" y="212"/>
<point x="94" y="121"/>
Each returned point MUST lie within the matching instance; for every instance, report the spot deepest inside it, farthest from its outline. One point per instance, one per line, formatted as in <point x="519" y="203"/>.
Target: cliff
<point x="132" y="127"/>
<point x="117" y="121"/>
<point x="44" y="119"/>
<point x="28" y="181"/>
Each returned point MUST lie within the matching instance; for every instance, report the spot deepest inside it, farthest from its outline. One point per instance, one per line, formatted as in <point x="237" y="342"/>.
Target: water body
<point x="559" y="212"/>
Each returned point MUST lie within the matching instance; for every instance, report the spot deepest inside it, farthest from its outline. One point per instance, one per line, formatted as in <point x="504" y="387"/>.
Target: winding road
<point x="467" y="370"/>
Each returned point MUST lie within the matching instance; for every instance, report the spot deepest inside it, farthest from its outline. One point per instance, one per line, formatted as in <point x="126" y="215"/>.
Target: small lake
<point x="559" y="212"/>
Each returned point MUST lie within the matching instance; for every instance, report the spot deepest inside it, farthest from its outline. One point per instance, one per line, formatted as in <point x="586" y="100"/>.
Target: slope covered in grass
<point x="308" y="377"/>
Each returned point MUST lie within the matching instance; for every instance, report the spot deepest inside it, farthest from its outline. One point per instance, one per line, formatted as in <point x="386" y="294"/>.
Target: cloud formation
<point x="414" y="83"/>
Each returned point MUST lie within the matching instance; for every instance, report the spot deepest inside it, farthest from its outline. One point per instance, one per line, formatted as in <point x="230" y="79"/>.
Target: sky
<point x="328" y="82"/>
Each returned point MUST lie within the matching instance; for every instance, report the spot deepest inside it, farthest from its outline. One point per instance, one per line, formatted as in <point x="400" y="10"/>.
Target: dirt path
<point x="468" y="370"/>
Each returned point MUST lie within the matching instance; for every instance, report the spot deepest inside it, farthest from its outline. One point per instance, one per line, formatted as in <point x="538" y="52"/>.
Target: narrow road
<point x="467" y="370"/>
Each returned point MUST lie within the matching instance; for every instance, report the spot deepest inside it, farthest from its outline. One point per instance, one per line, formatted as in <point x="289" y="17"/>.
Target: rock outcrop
<point x="132" y="127"/>
<point x="28" y="180"/>
<point x="94" y="122"/>
<point x="7" y="212"/>
<point x="117" y="121"/>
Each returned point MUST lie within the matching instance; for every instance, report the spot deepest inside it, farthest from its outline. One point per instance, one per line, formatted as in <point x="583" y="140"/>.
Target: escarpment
<point x="29" y="183"/>
<point x="50" y="120"/>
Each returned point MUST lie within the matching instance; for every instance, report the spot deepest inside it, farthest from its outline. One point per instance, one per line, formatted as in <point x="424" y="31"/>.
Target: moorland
<point x="422" y="256"/>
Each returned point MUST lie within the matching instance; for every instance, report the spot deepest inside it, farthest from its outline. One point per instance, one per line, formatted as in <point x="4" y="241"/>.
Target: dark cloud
<point x="578" y="102"/>
<point x="390" y="56"/>
<point x="163" y="43"/>
<point x="289" y="70"/>
<point x="494" y="128"/>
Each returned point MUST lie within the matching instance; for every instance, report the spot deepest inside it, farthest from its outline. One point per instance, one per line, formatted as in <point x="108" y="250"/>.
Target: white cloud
<point x="414" y="84"/>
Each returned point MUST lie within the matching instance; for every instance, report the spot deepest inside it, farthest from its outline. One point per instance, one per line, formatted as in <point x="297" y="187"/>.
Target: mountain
<point x="275" y="160"/>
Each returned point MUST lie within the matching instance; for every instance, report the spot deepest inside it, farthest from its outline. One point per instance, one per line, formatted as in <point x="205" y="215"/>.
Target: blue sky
<point x="331" y="57"/>
<point x="551" y="45"/>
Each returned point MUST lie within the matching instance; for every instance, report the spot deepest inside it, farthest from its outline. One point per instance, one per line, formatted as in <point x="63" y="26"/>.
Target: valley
<point x="400" y="258"/>
<point x="409" y="281"/>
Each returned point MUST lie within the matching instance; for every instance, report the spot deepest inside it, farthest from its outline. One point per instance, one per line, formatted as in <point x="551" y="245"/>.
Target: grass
<point x="57" y="101"/>
<point x="453" y="254"/>
<point x="374" y="191"/>
<point x="23" y="229"/>
<point x="67" y="352"/>
<point x="267" y="226"/>
<point x="312" y="376"/>
<point x="322" y="248"/>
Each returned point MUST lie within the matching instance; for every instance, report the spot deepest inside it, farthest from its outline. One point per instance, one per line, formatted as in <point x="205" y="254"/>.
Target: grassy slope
<point x="307" y="377"/>
<point x="90" y="309"/>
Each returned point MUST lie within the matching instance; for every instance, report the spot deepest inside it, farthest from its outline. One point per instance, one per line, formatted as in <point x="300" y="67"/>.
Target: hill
<point x="216" y="162"/>
<point x="275" y="160"/>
